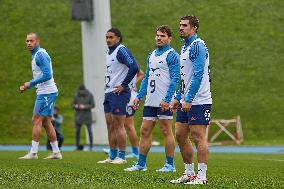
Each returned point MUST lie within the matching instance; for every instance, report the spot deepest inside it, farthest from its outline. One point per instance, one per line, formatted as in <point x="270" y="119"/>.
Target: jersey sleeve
<point x="197" y="55"/>
<point x="144" y="84"/>
<point x="173" y="62"/>
<point x="44" y="63"/>
<point x="124" y="56"/>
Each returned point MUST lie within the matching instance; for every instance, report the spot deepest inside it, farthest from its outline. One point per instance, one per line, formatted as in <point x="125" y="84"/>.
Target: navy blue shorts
<point x="44" y="104"/>
<point x="197" y="115"/>
<point x="154" y="113"/>
<point x="116" y="103"/>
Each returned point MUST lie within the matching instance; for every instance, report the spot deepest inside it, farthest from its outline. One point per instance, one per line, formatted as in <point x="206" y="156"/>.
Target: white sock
<point x="202" y="168"/>
<point x="189" y="169"/>
<point x="54" y="146"/>
<point x="34" y="148"/>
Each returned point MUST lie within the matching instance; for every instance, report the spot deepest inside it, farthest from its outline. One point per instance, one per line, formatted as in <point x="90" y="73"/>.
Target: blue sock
<point x="142" y="160"/>
<point x="121" y="154"/>
<point x="170" y="160"/>
<point x="113" y="154"/>
<point x="135" y="150"/>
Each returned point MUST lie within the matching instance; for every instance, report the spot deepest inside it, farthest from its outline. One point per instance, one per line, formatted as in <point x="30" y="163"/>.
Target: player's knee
<point x="127" y="127"/>
<point x="117" y="123"/>
<point x="166" y="131"/>
<point x="36" y="121"/>
<point x="145" y="132"/>
<point x="198" y="138"/>
<point x="180" y="135"/>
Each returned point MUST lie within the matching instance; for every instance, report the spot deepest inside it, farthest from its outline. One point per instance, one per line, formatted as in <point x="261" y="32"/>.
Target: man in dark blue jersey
<point x="121" y="68"/>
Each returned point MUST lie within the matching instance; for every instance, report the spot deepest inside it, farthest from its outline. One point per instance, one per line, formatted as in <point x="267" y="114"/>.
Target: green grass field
<point x="80" y="170"/>
<point x="245" y="40"/>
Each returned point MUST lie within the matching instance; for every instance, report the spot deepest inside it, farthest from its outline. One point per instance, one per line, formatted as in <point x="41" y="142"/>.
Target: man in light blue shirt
<point x="47" y="93"/>
<point x="159" y="84"/>
<point x="193" y="102"/>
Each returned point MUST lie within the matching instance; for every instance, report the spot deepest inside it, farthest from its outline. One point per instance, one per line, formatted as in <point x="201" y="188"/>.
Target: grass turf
<point x="80" y="170"/>
<point x="245" y="40"/>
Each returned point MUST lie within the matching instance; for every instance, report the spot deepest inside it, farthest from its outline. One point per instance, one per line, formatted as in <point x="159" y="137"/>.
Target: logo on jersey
<point x="108" y="70"/>
<point x="155" y="70"/>
<point x="192" y="118"/>
<point x="207" y="115"/>
<point x="117" y="110"/>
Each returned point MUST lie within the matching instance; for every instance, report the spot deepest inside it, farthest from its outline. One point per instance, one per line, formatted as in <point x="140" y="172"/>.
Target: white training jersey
<point x="46" y="87"/>
<point x="115" y="71"/>
<point x="203" y="96"/>
<point x="159" y="79"/>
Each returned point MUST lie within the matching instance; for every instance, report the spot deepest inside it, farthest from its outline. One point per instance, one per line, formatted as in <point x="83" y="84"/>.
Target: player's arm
<point x="197" y="55"/>
<point x="44" y="63"/>
<point x="173" y="62"/>
<point x="125" y="57"/>
<point x="177" y="95"/>
<point x="144" y="84"/>
<point x="140" y="76"/>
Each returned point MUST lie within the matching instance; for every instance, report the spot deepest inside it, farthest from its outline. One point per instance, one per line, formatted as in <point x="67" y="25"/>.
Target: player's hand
<point x="22" y="88"/>
<point x="118" y="89"/>
<point x="25" y="87"/>
<point x="136" y="103"/>
<point x="185" y="106"/>
<point x="164" y="106"/>
<point x="174" y="105"/>
<point x="82" y="106"/>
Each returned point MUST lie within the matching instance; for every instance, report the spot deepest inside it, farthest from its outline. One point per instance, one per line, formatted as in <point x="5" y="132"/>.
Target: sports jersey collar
<point x="112" y="48"/>
<point x="35" y="50"/>
<point x="161" y="50"/>
<point x="188" y="41"/>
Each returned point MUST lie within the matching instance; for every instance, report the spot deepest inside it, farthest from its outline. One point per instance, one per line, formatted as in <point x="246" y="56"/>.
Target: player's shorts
<point x="116" y="103"/>
<point x="197" y="115"/>
<point x="154" y="113"/>
<point x="130" y="111"/>
<point x="44" y="104"/>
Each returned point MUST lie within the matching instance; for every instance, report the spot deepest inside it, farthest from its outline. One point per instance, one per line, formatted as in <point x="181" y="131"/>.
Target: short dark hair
<point x="193" y="20"/>
<point x="165" y="29"/>
<point x="116" y="32"/>
<point x="33" y="33"/>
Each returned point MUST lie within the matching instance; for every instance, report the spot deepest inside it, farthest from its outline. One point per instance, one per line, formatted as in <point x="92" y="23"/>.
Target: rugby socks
<point x="170" y="160"/>
<point x="113" y="153"/>
<point x="202" y="168"/>
<point x="54" y="146"/>
<point x="135" y="150"/>
<point x="189" y="169"/>
<point x="34" y="148"/>
<point x="142" y="160"/>
<point x="121" y="154"/>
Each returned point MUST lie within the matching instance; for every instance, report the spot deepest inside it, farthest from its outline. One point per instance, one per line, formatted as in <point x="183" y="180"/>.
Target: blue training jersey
<point x="42" y="72"/>
<point x="195" y="78"/>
